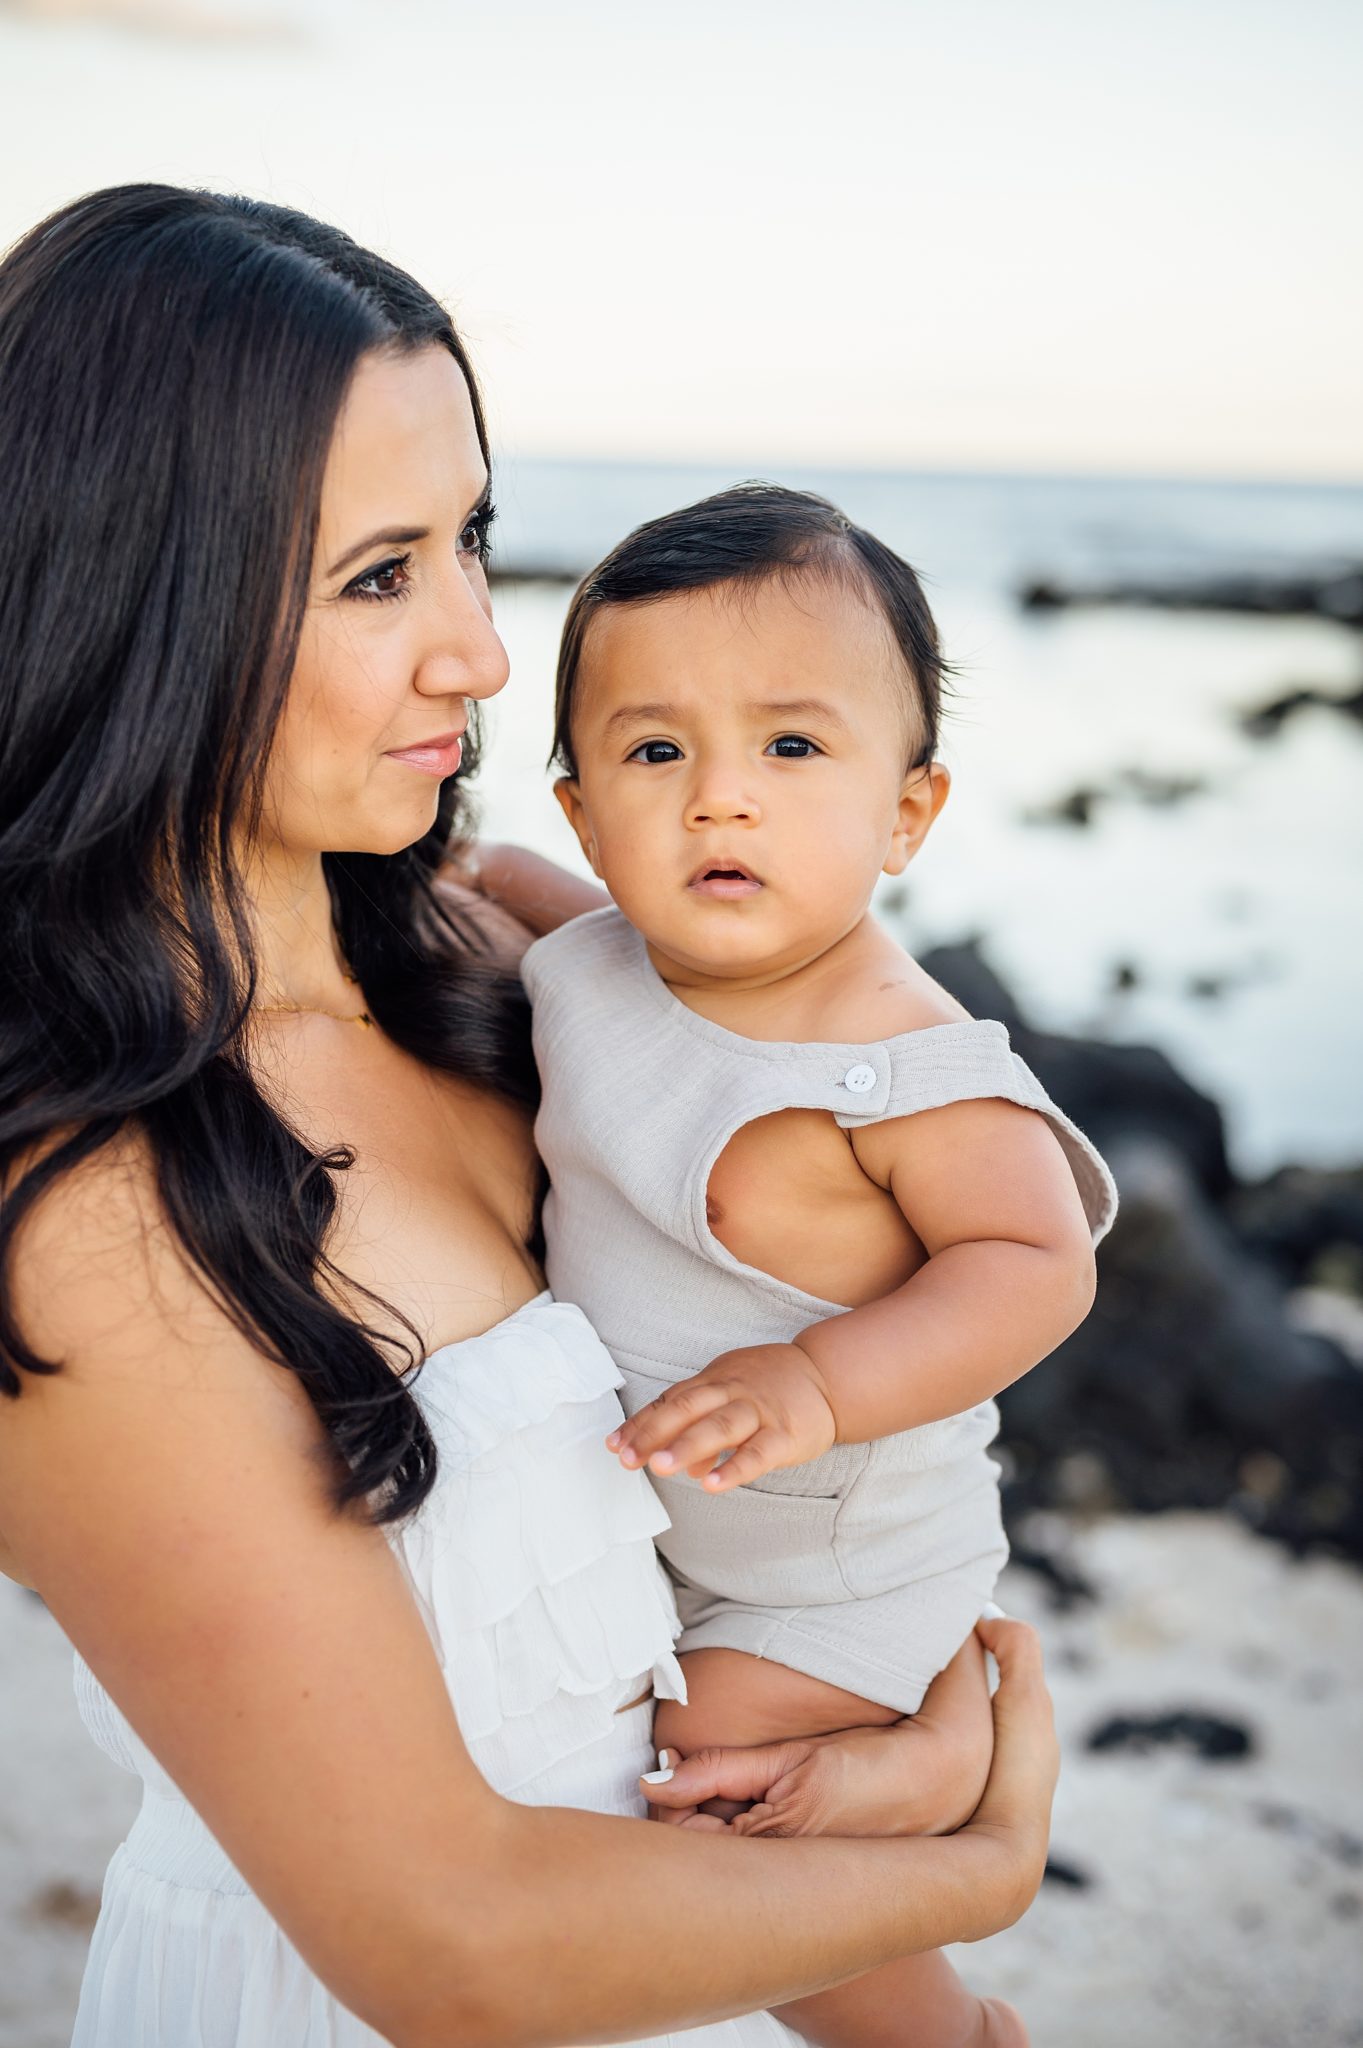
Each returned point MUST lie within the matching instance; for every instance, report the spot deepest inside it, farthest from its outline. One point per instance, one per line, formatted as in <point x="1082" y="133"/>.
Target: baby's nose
<point x="723" y="801"/>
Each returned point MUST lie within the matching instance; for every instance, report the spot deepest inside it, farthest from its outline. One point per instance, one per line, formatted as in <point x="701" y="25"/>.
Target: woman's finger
<point x="668" y="1817"/>
<point x="741" y="1774"/>
<point x="756" y="1821"/>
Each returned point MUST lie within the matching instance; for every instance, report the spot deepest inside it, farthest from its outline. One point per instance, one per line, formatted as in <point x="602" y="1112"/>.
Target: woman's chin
<point x="389" y="834"/>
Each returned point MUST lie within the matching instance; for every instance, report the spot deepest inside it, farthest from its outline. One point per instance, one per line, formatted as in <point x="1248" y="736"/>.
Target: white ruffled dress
<point x="533" y="1564"/>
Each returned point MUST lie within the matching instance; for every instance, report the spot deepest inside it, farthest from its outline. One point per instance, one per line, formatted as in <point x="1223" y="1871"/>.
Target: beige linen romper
<point x="868" y="1566"/>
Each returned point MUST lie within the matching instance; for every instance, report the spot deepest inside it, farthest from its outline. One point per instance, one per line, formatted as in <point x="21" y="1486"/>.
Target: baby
<point x="819" y="1214"/>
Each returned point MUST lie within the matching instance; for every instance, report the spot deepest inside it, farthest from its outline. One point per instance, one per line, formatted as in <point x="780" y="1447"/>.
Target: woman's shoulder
<point x="102" y="1288"/>
<point x="93" y="1222"/>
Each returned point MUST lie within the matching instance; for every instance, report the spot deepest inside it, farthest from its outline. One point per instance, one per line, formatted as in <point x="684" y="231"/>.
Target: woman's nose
<point x="465" y="656"/>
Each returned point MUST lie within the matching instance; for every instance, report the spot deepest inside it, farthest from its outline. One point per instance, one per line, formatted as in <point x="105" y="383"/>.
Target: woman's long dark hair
<point x="172" y="364"/>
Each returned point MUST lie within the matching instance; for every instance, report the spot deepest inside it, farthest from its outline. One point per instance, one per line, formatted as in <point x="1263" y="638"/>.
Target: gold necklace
<point x="310" y="1010"/>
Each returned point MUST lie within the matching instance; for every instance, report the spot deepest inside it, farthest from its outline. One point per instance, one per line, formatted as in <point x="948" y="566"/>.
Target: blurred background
<point x="1065" y="302"/>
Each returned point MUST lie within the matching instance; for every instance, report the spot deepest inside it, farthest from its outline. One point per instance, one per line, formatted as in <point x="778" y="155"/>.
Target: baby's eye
<point x="654" y="753"/>
<point x="388" y="579"/>
<point x="791" y="747"/>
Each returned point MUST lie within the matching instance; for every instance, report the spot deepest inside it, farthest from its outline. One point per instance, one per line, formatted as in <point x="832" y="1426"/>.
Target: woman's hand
<point x="854" y="1783"/>
<point x="923" y="1775"/>
<point x="538" y="893"/>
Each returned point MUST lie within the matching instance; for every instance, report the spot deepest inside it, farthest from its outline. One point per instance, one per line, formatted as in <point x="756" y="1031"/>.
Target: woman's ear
<point x="925" y="791"/>
<point x="575" y="811"/>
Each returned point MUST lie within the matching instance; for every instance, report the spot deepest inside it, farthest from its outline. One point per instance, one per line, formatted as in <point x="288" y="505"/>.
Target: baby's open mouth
<point x="727" y="880"/>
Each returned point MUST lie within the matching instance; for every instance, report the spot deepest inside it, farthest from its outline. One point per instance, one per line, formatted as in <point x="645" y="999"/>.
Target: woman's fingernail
<point x="613" y="1440"/>
<point x="662" y="1460"/>
<point x="657" y="1777"/>
<point x="991" y="1611"/>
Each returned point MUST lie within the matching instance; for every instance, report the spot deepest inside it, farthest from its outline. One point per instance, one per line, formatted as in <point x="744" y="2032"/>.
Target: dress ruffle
<point x="516" y="1374"/>
<point x="535" y="1570"/>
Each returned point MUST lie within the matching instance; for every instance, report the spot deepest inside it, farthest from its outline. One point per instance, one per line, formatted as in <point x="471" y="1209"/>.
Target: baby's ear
<point x="925" y="790"/>
<point x="575" y="811"/>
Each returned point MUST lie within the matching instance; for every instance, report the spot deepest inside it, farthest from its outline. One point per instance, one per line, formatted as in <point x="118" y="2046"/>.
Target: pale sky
<point x="1053" y="236"/>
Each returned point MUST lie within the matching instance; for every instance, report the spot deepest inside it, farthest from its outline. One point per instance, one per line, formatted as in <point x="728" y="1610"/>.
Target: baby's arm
<point x="1009" y="1273"/>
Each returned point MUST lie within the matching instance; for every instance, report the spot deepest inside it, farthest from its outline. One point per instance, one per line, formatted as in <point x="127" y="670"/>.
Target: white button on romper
<point x="868" y="1566"/>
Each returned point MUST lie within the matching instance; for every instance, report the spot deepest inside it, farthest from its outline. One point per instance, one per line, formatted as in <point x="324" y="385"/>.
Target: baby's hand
<point x="766" y="1404"/>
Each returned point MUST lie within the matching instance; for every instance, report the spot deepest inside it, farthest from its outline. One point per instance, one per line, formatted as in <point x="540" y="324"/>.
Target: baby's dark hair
<point x="745" y="535"/>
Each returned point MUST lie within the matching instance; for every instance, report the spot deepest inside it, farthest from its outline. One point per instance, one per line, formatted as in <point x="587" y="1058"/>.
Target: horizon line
<point x="1241" y="480"/>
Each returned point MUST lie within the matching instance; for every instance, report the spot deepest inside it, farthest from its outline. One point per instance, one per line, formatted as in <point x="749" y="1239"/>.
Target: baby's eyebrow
<point x="759" y="708"/>
<point x="799" y="707"/>
<point x="641" y="714"/>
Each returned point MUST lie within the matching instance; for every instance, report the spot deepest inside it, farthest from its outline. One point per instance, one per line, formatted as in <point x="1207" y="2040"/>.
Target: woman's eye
<point x="476" y="538"/>
<point x="389" y="579"/>
<point x="655" y="752"/>
<point x="790" y="747"/>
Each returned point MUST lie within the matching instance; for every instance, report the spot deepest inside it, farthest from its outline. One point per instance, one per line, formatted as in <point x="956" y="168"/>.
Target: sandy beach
<point x="1199" y="1900"/>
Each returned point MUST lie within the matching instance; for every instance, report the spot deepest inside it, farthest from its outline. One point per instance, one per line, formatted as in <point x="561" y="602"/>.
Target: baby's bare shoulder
<point x="882" y="992"/>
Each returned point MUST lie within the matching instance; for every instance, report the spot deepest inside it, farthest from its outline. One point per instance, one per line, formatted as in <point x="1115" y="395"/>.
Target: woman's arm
<point x="168" y="1494"/>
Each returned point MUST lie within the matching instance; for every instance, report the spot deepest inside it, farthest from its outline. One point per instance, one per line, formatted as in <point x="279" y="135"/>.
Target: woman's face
<point x="398" y="635"/>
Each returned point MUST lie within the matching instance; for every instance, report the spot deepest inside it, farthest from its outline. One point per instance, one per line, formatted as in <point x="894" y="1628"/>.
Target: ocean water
<point x="1223" y="925"/>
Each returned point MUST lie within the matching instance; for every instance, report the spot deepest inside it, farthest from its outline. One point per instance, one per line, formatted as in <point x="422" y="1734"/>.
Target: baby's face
<point x="741" y="771"/>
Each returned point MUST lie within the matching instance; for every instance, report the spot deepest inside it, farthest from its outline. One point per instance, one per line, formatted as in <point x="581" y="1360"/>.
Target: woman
<point x="265" y="1130"/>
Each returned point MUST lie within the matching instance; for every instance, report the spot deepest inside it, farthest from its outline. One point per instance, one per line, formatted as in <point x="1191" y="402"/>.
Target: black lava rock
<point x="1205" y="1735"/>
<point x="1188" y="1385"/>
<point x="1058" y="1871"/>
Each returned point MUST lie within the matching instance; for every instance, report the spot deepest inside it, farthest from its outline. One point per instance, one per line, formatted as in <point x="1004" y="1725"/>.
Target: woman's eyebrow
<point x="386" y="537"/>
<point x="403" y="536"/>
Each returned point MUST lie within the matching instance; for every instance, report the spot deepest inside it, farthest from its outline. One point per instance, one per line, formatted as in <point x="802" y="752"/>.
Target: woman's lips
<point x="439" y="757"/>
<point x="724" y="882"/>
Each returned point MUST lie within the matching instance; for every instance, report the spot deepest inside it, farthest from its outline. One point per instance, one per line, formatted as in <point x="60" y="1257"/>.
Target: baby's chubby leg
<point x="917" y="2003"/>
<point x="737" y="1700"/>
<point x="731" y="1693"/>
